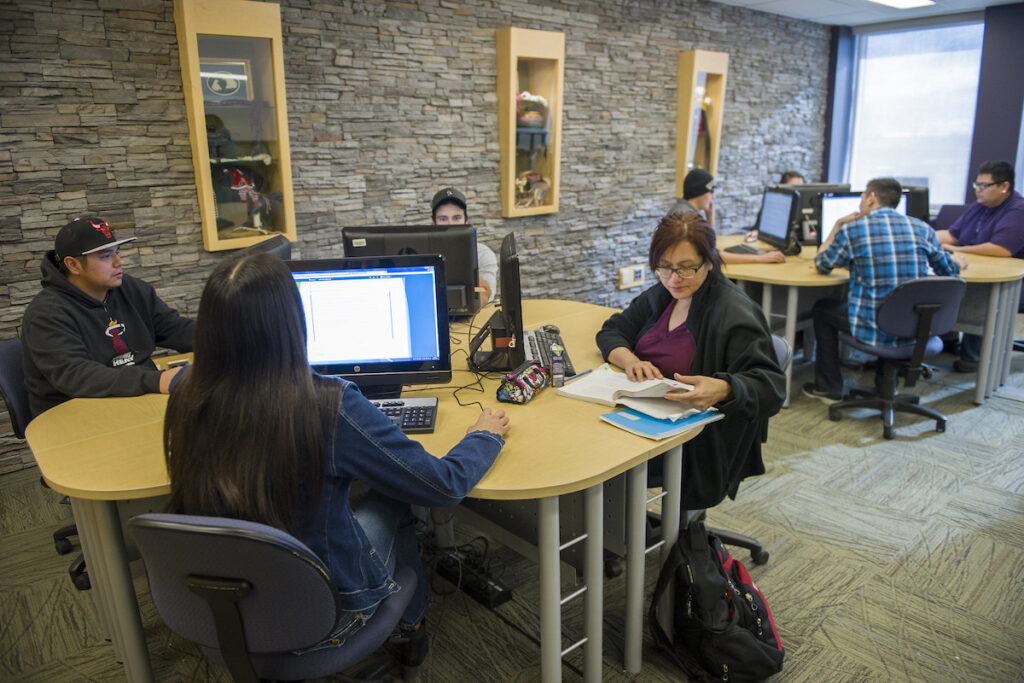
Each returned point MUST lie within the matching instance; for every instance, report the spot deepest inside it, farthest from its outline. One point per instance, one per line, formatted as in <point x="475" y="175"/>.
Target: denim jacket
<point x="368" y="447"/>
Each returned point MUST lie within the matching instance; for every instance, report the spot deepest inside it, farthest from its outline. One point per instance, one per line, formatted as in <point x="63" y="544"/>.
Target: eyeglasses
<point x="684" y="272"/>
<point x="983" y="186"/>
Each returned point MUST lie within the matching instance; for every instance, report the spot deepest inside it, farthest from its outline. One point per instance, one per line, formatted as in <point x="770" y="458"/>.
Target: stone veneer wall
<point x="387" y="102"/>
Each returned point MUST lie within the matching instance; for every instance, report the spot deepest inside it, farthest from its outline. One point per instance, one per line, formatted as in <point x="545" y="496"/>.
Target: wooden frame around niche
<point x="240" y="19"/>
<point x="513" y="45"/>
<point x="692" y="63"/>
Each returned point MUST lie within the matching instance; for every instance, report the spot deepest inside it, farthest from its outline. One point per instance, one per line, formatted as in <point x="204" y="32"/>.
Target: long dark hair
<point x="246" y="430"/>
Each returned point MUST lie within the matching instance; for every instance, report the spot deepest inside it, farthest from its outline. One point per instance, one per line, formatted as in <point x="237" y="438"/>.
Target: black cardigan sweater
<point x="733" y="343"/>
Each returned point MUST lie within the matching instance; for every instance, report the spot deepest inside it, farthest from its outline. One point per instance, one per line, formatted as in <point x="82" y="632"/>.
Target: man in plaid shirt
<point x="881" y="248"/>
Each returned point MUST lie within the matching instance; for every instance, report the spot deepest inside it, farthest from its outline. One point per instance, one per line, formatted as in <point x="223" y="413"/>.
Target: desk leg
<point x="636" y="540"/>
<point x="792" y="296"/>
<point x="1012" y="294"/>
<point x="672" y="484"/>
<point x="550" y="591"/>
<point x="99" y="528"/>
<point x="593" y="574"/>
<point x="981" y="388"/>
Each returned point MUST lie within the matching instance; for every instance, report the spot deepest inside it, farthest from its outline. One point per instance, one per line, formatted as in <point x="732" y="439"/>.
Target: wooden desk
<point x="796" y="273"/>
<point x="1001" y="276"/>
<point x="99" y="451"/>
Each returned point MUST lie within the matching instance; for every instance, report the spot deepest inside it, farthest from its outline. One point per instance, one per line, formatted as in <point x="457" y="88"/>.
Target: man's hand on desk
<point x="707" y="391"/>
<point x="495" y="422"/>
<point x="960" y="259"/>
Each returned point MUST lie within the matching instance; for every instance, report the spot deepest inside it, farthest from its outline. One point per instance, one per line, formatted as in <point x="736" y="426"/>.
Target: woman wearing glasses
<point x="699" y="328"/>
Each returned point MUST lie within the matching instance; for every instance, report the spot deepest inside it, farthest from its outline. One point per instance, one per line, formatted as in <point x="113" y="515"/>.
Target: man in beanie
<point x="448" y="207"/>
<point x="92" y="330"/>
<point x="699" y="195"/>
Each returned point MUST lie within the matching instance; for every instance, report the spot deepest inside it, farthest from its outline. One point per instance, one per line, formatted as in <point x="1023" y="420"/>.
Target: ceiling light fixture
<point x="904" y="4"/>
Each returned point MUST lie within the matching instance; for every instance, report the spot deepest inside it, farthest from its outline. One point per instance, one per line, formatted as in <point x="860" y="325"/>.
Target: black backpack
<point x="722" y="627"/>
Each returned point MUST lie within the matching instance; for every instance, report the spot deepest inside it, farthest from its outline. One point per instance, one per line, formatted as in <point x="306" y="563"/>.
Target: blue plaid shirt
<point x="881" y="250"/>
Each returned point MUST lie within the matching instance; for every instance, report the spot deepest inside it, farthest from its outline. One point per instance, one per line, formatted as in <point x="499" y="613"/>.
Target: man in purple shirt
<point x="992" y="226"/>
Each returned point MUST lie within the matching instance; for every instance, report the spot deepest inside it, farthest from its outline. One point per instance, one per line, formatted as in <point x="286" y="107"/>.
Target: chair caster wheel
<point x="63" y="546"/>
<point x="940" y="426"/>
<point x="833" y="415"/>
<point x="887" y="432"/>
<point x="759" y="557"/>
<point x="81" y="582"/>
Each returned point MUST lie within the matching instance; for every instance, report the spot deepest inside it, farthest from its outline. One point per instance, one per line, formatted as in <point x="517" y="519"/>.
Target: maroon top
<point x="670" y="352"/>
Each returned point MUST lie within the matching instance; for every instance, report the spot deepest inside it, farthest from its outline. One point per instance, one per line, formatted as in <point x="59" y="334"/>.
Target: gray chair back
<point x="783" y="351"/>
<point x="12" y="386"/>
<point x="897" y="314"/>
<point x="290" y="602"/>
<point x="287" y="577"/>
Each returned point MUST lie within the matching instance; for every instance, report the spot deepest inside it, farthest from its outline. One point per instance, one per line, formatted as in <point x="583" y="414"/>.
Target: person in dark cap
<point x="448" y="207"/>
<point x="92" y="330"/>
<point x="699" y="196"/>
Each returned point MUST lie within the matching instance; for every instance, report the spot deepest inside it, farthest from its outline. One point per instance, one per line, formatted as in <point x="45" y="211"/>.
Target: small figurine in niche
<point x="531" y="110"/>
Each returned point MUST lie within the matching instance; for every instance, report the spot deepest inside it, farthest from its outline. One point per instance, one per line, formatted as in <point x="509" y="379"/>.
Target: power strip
<point x="473" y="581"/>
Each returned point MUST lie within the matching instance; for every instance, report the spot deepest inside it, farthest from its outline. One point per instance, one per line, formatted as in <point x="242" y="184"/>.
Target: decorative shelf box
<point x="531" y="69"/>
<point x="232" y="69"/>
<point x="701" y="83"/>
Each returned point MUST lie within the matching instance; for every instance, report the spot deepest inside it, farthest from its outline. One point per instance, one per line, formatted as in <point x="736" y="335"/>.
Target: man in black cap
<point x="92" y="330"/>
<point x="699" y="195"/>
<point x="448" y="207"/>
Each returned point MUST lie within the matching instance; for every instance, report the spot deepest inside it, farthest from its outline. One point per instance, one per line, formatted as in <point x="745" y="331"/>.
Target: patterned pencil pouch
<point x="523" y="383"/>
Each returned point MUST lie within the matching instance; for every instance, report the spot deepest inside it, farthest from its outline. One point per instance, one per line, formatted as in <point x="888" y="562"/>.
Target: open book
<point x="652" y="428"/>
<point x="609" y="387"/>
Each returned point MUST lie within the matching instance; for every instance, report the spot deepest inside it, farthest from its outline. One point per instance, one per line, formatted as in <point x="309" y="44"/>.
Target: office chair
<point x="278" y="245"/>
<point x="12" y="386"/>
<point x="252" y="595"/>
<point x="784" y="354"/>
<point x="947" y="215"/>
<point x="921" y="309"/>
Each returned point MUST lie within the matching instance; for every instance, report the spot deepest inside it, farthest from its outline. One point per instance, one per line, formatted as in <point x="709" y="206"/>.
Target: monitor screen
<point x="505" y="326"/>
<point x="779" y="214"/>
<point x="456" y="243"/>
<point x="835" y="205"/>
<point x="379" y="322"/>
<point x="810" y="204"/>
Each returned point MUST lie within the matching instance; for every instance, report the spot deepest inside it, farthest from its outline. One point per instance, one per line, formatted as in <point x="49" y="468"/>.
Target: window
<point x="913" y="108"/>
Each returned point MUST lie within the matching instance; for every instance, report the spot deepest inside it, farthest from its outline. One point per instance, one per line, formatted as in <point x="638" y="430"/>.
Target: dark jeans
<point x="831" y="316"/>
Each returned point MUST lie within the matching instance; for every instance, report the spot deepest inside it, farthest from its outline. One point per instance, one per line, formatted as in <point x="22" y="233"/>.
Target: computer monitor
<point x="456" y="243"/>
<point x="505" y="326"/>
<point x="810" y="204"/>
<point x="779" y="218"/>
<point x="917" y="202"/>
<point x="835" y="205"/>
<point x="380" y="322"/>
<point x="278" y="245"/>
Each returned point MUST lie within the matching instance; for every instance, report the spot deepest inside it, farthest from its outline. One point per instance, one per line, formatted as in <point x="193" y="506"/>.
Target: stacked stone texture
<point x="387" y="102"/>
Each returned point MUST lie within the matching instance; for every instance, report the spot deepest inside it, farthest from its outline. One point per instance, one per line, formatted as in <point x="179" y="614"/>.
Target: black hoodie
<point x="733" y="343"/>
<point x="75" y="346"/>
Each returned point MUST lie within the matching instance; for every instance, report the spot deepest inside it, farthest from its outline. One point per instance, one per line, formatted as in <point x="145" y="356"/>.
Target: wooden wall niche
<point x="232" y="69"/>
<point x="701" y="99"/>
<point x="531" y="69"/>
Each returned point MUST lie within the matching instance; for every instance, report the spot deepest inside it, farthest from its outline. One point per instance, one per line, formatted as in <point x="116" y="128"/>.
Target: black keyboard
<point x="744" y="249"/>
<point x="538" y="347"/>
<point x="411" y="415"/>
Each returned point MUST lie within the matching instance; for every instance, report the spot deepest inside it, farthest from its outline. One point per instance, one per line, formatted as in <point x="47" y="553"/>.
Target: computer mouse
<point x="551" y="329"/>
